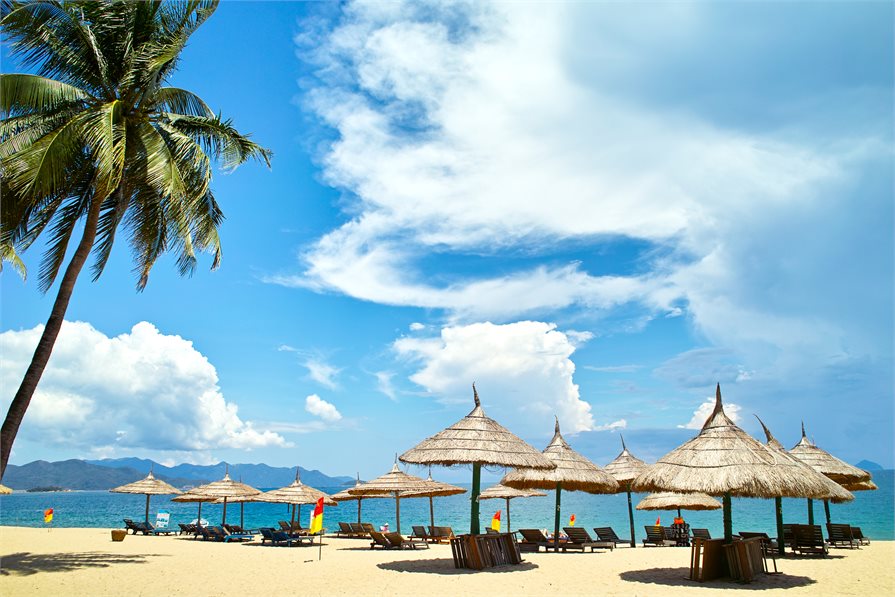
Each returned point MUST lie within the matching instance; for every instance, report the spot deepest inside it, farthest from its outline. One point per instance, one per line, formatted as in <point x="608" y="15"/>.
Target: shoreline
<point x="85" y="561"/>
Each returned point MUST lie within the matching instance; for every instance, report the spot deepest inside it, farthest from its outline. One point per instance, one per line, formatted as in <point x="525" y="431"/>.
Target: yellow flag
<point x="317" y="520"/>
<point x="495" y="522"/>
<point x="572" y="520"/>
<point x="48" y="515"/>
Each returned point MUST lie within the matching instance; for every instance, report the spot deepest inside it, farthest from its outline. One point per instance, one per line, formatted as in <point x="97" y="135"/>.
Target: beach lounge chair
<point x="419" y="532"/>
<point x="533" y="540"/>
<point x="840" y="535"/>
<point x="229" y="536"/>
<point x="366" y="528"/>
<point x="187" y="529"/>
<point x="579" y="538"/>
<point x="357" y="530"/>
<point x="344" y="530"/>
<point x="235" y="529"/>
<point x="701" y="533"/>
<point x="859" y="536"/>
<point x="787" y="536"/>
<point x="608" y="534"/>
<point x="400" y="542"/>
<point x="281" y="538"/>
<point x="441" y="534"/>
<point x="380" y="540"/>
<point x="137" y="527"/>
<point x="768" y="548"/>
<point x="655" y="536"/>
<point x="159" y="531"/>
<point x="808" y="539"/>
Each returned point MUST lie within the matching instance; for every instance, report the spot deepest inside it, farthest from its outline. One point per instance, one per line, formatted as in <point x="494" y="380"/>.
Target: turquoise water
<point x="873" y="511"/>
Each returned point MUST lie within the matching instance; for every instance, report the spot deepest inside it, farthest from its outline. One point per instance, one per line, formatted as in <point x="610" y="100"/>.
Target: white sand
<point x="86" y="562"/>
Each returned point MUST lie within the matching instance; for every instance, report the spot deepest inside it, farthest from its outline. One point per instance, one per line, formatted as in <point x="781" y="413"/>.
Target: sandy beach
<point x="86" y="562"/>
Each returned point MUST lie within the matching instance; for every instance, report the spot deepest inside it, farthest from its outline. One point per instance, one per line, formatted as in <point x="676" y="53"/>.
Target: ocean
<point x="873" y="511"/>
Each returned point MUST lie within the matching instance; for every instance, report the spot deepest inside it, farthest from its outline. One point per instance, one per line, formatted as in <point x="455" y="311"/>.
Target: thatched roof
<point x="574" y="471"/>
<point x="476" y="438"/>
<point x="393" y="482"/>
<point x="344" y="496"/>
<point x="503" y="492"/>
<point x="723" y="458"/>
<point x="190" y="497"/>
<point x="861" y="486"/>
<point x="5" y="490"/>
<point x="836" y="492"/>
<point x="148" y="486"/>
<point x="225" y="488"/>
<point x="435" y="489"/>
<point x="625" y="467"/>
<point x="827" y="464"/>
<point x="294" y="493"/>
<point x="683" y="501"/>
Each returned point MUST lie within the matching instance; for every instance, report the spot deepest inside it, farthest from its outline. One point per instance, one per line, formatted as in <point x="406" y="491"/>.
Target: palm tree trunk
<point x="48" y="339"/>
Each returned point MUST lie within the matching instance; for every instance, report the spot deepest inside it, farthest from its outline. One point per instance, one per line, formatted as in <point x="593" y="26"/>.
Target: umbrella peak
<point x="772" y="441"/>
<point x="624" y="447"/>
<point x="718" y="418"/>
<point x="475" y="395"/>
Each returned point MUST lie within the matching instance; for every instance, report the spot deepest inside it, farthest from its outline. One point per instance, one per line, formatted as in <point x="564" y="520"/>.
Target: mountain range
<point x="109" y="473"/>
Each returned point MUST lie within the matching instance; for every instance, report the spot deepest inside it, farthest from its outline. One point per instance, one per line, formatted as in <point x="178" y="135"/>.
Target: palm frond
<point x="179" y="101"/>
<point x="219" y="138"/>
<point x="27" y="94"/>
<point x="8" y="254"/>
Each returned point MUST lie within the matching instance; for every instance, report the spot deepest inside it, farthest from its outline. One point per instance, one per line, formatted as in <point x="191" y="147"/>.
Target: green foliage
<point x="97" y="122"/>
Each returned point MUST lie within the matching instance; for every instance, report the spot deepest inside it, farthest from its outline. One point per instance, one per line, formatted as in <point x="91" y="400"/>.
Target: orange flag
<point x="572" y="520"/>
<point x="317" y="519"/>
<point x="658" y="521"/>
<point x="48" y="515"/>
<point x="495" y="522"/>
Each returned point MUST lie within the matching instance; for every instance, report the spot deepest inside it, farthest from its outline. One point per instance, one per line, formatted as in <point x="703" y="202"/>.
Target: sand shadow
<point x="679" y="577"/>
<point x="446" y="566"/>
<point x="26" y="564"/>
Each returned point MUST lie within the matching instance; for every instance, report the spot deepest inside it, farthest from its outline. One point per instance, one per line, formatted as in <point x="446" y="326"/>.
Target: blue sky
<point x="593" y="210"/>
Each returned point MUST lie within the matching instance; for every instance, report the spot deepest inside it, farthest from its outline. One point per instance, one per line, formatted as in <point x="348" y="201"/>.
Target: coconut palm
<point x="96" y="138"/>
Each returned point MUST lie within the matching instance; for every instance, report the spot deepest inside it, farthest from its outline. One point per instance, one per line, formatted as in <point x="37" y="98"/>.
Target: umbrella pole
<point x="778" y="506"/>
<point x="631" y="517"/>
<point x="292" y="522"/>
<point x="827" y="510"/>
<point x="728" y="522"/>
<point x="556" y="518"/>
<point x="224" y="517"/>
<point x="299" y="516"/>
<point x="508" y="515"/>
<point x="398" y="511"/>
<point x="147" y="507"/>
<point x="431" y="511"/>
<point x="242" y="509"/>
<point x="679" y="513"/>
<point x="474" y="498"/>
<point x="358" y="510"/>
<point x="199" y="516"/>
<point x="810" y="511"/>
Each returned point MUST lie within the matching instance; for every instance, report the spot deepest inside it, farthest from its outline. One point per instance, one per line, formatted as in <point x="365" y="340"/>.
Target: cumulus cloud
<point x="139" y="390"/>
<point x="613" y="426"/>
<point x="384" y="384"/>
<point x="523" y="371"/>
<point x="416" y="326"/>
<point x="318" y="407"/>
<point x="701" y="414"/>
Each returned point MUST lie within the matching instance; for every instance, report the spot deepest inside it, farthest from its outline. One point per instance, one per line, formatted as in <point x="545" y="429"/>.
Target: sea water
<point x="873" y="511"/>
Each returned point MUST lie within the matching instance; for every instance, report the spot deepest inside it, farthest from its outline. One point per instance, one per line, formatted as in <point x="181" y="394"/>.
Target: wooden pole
<point x="358" y="510"/>
<point x="147" y="507"/>
<point x="508" y="515"/>
<point x="827" y="510"/>
<point x="431" y="511"/>
<point x="556" y="517"/>
<point x="728" y="522"/>
<point x="242" y="511"/>
<point x="631" y="516"/>
<point x="474" y="498"/>
<point x="224" y="517"/>
<point x="398" y="511"/>
<point x="810" y="511"/>
<point x="778" y="507"/>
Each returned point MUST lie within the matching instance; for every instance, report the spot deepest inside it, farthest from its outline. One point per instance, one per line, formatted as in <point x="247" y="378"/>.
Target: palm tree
<point x="97" y="136"/>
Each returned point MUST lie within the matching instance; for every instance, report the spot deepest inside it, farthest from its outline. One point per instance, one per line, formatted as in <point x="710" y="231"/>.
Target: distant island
<point x="869" y="465"/>
<point x="46" y="489"/>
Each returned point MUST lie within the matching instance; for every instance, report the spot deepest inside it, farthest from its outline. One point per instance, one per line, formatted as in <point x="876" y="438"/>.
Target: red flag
<point x="495" y="522"/>
<point x="48" y="515"/>
<point x="572" y="520"/>
<point x="317" y="519"/>
<point x="658" y="521"/>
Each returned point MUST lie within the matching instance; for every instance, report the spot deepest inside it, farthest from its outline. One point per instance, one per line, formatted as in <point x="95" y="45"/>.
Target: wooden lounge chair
<point x="787" y="536"/>
<point x="380" y="540"/>
<point x="608" y="534"/>
<point x="235" y="529"/>
<point x="579" y="538"/>
<point x="441" y="534"/>
<point x="533" y="540"/>
<point x="655" y="536"/>
<point x="400" y="542"/>
<point x="367" y="528"/>
<point x="768" y="548"/>
<point x="859" y="536"/>
<point x="840" y="535"/>
<point x="419" y="532"/>
<point x="701" y="533"/>
<point x="808" y="539"/>
<point x="344" y="530"/>
<point x="153" y="530"/>
<point x="357" y="530"/>
<point x="136" y="527"/>
<point x="281" y="538"/>
<point x="187" y="529"/>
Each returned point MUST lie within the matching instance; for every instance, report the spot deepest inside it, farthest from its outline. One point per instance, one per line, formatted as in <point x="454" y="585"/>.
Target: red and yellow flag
<point x="495" y="522"/>
<point x="572" y="520"/>
<point x="658" y="521"/>
<point x="48" y="515"/>
<point x="317" y="519"/>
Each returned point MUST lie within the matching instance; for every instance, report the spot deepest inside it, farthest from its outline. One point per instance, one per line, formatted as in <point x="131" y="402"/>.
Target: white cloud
<point x="416" y="326"/>
<point x="701" y="414"/>
<point x="322" y="372"/>
<point x="138" y="390"/>
<point x="318" y="407"/>
<point x="523" y="372"/>
<point x="384" y="384"/>
<point x="613" y="426"/>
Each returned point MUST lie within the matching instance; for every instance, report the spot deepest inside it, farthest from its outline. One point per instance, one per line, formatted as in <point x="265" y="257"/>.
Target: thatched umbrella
<point x="5" y="490"/>
<point x="625" y="469"/>
<point x="190" y="497"/>
<point x="435" y="489"/>
<point x="296" y="494"/>
<point x="344" y="496"/>
<point x="501" y="491"/>
<point x="668" y="500"/>
<point x="836" y="493"/>
<point x="725" y="460"/>
<point x="394" y="483"/>
<point x="859" y="486"/>
<point x="573" y="472"/>
<point x="825" y="463"/>
<point x="478" y="440"/>
<point x="148" y="486"/>
<point x="226" y="489"/>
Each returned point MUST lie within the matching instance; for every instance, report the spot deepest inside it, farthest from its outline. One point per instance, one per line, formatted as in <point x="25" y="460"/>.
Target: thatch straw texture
<point x="476" y="439"/>
<point x="503" y="492"/>
<point x="294" y="493"/>
<point x="147" y="486"/>
<point x="678" y="501"/>
<point x="435" y="489"/>
<point x="835" y="491"/>
<point x="344" y="496"/>
<point x="190" y="497"/>
<point x="574" y="471"/>
<point x="827" y="464"/>
<point x="625" y="468"/>
<point x="393" y="482"/>
<point x="861" y="486"/>
<point x="722" y="459"/>
<point x="225" y="488"/>
<point x="5" y="490"/>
